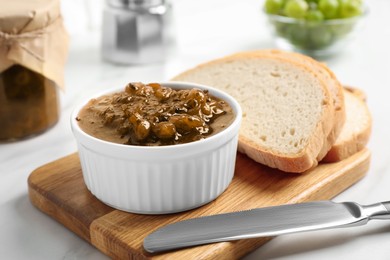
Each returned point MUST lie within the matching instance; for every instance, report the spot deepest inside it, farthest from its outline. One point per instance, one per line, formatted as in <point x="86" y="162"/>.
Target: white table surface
<point x="205" y="30"/>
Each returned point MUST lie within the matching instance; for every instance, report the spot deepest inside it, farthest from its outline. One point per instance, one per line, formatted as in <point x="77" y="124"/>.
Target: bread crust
<point x="357" y="92"/>
<point x="308" y="157"/>
<point x="357" y="141"/>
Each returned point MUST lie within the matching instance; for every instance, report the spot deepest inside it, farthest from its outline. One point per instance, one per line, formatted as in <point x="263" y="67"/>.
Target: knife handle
<point x="382" y="212"/>
<point x="387" y="205"/>
<point x="378" y="210"/>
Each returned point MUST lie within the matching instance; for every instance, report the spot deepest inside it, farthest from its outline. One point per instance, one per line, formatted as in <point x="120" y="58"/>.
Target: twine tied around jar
<point x="9" y="40"/>
<point x="34" y="50"/>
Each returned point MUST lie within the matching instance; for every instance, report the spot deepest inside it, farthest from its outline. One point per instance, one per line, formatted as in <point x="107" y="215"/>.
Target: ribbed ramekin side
<point x="159" y="187"/>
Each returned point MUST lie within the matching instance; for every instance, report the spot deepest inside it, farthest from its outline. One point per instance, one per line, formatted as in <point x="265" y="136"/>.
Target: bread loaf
<point x="288" y="111"/>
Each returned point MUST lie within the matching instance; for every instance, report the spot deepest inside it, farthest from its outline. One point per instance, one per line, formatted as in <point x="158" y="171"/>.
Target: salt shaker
<point x="137" y="31"/>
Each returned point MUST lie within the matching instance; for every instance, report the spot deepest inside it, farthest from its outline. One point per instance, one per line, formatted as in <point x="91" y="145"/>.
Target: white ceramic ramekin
<point x="163" y="179"/>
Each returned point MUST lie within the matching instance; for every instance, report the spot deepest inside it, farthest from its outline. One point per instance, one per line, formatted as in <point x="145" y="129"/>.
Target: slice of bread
<point x="357" y="129"/>
<point x="357" y="92"/>
<point x="328" y="77"/>
<point x="288" y="111"/>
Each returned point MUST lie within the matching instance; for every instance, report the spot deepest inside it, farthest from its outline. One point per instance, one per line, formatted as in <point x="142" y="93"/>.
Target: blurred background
<point x="204" y="30"/>
<point x="209" y="29"/>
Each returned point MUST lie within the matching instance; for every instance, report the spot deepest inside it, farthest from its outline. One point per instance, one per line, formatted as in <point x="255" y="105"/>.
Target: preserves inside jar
<point x="28" y="103"/>
<point x="155" y="115"/>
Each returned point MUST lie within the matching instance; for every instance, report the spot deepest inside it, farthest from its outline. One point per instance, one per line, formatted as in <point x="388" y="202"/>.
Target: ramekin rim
<point x="225" y="96"/>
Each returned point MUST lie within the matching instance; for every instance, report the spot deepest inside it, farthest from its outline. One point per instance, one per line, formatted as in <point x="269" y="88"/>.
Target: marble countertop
<point x="205" y="30"/>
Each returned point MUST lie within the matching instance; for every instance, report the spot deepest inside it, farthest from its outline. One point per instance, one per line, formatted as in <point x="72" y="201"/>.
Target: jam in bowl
<point x="157" y="148"/>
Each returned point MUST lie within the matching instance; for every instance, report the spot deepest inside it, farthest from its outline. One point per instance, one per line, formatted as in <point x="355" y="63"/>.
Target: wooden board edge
<point x="57" y="213"/>
<point x="103" y="241"/>
<point x="225" y="250"/>
<point x="46" y="200"/>
<point x="337" y="183"/>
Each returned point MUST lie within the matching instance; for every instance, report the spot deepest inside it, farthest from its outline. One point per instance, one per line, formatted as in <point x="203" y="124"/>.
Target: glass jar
<point x="33" y="51"/>
<point x="29" y="103"/>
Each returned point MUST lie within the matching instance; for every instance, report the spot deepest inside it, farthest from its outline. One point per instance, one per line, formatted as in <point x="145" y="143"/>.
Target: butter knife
<point x="263" y="222"/>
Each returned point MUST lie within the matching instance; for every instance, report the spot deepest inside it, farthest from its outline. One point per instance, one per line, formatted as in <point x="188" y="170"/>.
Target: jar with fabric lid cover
<point x="33" y="51"/>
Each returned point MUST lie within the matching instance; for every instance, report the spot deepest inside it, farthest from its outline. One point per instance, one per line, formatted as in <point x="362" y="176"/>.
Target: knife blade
<point x="263" y="222"/>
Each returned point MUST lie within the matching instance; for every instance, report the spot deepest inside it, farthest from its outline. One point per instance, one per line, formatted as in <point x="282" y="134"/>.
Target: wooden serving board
<point x="58" y="190"/>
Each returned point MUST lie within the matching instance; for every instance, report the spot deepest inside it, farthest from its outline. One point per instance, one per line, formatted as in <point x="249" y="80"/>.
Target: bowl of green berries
<point x="314" y="27"/>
